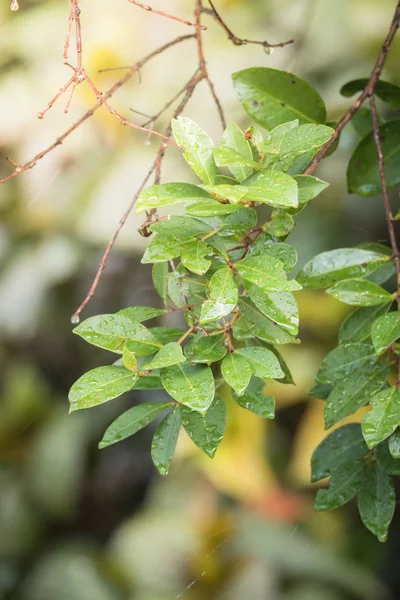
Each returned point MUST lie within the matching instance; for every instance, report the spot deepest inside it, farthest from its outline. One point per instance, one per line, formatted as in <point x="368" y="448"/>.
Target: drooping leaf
<point x="343" y="445"/>
<point x="385" y="331"/>
<point x="272" y="97"/>
<point x="321" y="390"/>
<point x="190" y="385"/>
<point x="353" y="392"/>
<point x="344" y="484"/>
<point x="272" y="187"/>
<point x="113" y="331"/>
<point x="384" y="417"/>
<point x="262" y="326"/>
<point x="267" y="272"/>
<point x="357" y="326"/>
<point x="206" y="430"/>
<point x="385" y="459"/>
<point x="193" y="255"/>
<point x="141" y="313"/>
<point x="100" y="385"/>
<point x="167" y="194"/>
<point x="345" y="359"/>
<point x="376" y="500"/>
<point x="210" y="208"/>
<point x="223" y="294"/>
<point x="363" y="171"/>
<point x="256" y="401"/>
<point x="235" y="139"/>
<point x="280" y="225"/>
<point x="131" y="421"/>
<point x="198" y="148"/>
<point x="160" y="280"/>
<point x="208" y="349"/>
<point x="237" y="372"/>
<point x="170" y="354"/>
<point x="386" y="91"/>
<point x="164" y="441"/>
<point x="331" y="267"/>
<point x="262" y="361"/>
<point x="309" y="187"/>
<point x="281" y="308"/>
<point x="281" y="250"/>
<point x="394" y="444"/>
<point x="359" y="292"/>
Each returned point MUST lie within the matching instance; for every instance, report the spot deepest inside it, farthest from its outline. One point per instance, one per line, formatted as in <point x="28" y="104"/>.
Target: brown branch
<point x="236" y="40"/>
<point x="366" y="93"/>
<point x="164" y="14"/>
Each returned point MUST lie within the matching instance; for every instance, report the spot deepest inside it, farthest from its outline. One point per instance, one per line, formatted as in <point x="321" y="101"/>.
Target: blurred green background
<point x="79" y="524"/>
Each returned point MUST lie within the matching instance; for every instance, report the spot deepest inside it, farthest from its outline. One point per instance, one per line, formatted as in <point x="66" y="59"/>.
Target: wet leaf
<point x="384" y="417"/>
<point x="210" y="208"/>
<point x="170" y="354"/>
<point x="239" y="222"/>
<point x="223" y="294"/>
<point x="344" y="445"/>
<point x="388" y="92"/>
<point x="141" y="313"/>
<point x="167" y="334"/>
<point x="272" y="187"/>
<point x="208" y="349"/>
<point x="237" y="372"/>
<point x="100" y="385"/>
<point x="190" y="385"/>
<point x="344" y="484"/>
<point x="164" y="441"/>
<point x="394" y="444"/>
<point x="160" y="280"/>
<point x="167" y="194"/>
<point x="280" y="225"/>
<point x="267" y="272"/>
<point x="345" y="359"/>
<point x="385" y="459"/>
<point x="193" y="255"/>
<point x="263" y="362"/>
<point x="262" y="326"/>
<point x="304" y="138"/>
<point x="281" y="308"/>
<point x="357" y="326"/>
<point x="230" y="193"/>
<point x="234" y="139"/>
<point x="284" y="252"/>
<point x="385" y="331"/>
<point x="272" y="146"/>
<point x="206" y="430"/>
<point x="256" y="401"/>
<point x="129" y="360"/>
<point x="376" y="501"/>
<point x="198" y="148"/>
<point x="309" y="187"/>
<point x="359" y="292"/>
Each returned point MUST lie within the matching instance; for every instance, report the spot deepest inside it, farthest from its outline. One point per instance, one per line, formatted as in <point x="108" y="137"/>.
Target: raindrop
<point x="14" y="5"/>
<point x="75" y="318"/>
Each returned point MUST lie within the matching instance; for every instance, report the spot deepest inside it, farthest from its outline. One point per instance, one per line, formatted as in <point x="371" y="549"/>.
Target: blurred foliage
<point x="79" y="524"/>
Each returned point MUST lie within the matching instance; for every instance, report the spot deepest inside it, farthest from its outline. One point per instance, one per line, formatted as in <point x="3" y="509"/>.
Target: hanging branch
<point x="164" y="14"/>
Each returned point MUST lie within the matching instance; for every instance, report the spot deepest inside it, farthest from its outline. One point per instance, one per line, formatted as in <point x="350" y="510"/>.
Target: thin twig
<point x="240" y="41"/>
<point x="168" y="16"/>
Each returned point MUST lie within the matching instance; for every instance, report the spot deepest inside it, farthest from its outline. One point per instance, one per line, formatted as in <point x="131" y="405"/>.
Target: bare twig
<point x="236" y="40"/>
<point x="168" y="16"/>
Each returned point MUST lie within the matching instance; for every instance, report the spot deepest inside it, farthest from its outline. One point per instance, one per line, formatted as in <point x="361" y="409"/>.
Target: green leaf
<point x="256" y="401"/>
<point x="232" y="193"/>
<point x="281" y="308"/>
<point x="129" y="360"/>
<point x="345" y="359"/>
<point x="210" y="208"/>
<point x="272" y="97"/>
<point x="131" y="421"/>
<point x="164" y="441"/>
<point x="384" y="417"/>
<point x="280" y="225"/>
<point x="237" y="372"/>
<point x="193" y="255"/>
<point x="167" y="194"/>
<point x="261" y="326"/>
<point x="223" y="294"/>
<point x="304" y="138"/>
<point x="385" y="459"/>
<point x="170" y="354"/>
<point x="172" y="234"/>
<point x="280" y="250"/>
<point x="239" y="222"/>
<point x="208" y="349"/>
<point x="267" y="272"/>
<point x="309" y="187"/>
<point x="357" y="326"/>
<point x="160" y="280"/>
<point x="342" y="446"/>
<point x="141" y="313"/>
<point x="206" y="430"/>
<point x="344" y="484"/>
<point x="190" y="385"/>
<point x="321" y="391"/>
<point x="235" y="139"/>
<point x="385" y="331"/>
<point x="273" y="144"/>
<point x="263" y="362"/>
<point x="198" y="148"/>
<point x="353" y="392"/>
<point x="363" y="171"/>
<point x="100" y="385"/>
<point x="167" y="334"/>
<point x="388" y="92"/>
<point x="362" y="121"/>
<point x="328" y="268"/>
<point x="112" y="332"/>
<point x="394" y="444"/>
<point x="359" y="292"/>
<point x="148" y="382"/>
<point x="377" y="501"/>
<point x="272" y="187"/>
<point x="242" y="165"/>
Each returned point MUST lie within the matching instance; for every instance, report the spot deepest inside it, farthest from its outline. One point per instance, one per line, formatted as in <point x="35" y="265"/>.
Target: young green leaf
<point x="208" y="349"/>
<point x="242" y="165"/>
<point x="280" y="250"/>
<point x="353" y="392"/>
<point x="309" y="187"/>
<point x="384" y="417"/>
<point x="385" y="331"/>
<point x="344" y="445"/>
<point x="141" y="313"/>
<point x="272" y="187"/>
<point x="210" y="208"/>
<point x="272" y="97"/>
<point x="111" y="332"/>
<point x="131" y="421"/>
<point x="160" y="280"/>
<point x="198" y="148"/>
<point x="256" y="401"/>
<point x="385" y="459"/>
<point x="262" y="326"/>
<point x="331" y="267"/>
<point x="272" y="146"/>
<point x="280" y="225"/>
<point x="235" y="139"/>
<point x="304" y="138"/>
<point x="206" y="430"/>
<point x="230" y="193"/>
<point x="193" y="255"/>
<point x="170" y="354"/>
<point x="164" y="441"/>
<point x="359" y="292"/>
<point x="100" y="385"/>
<point x="363" y="172"/>
<point x="281" y="308"/>
<point x="394" y="444"/>
<point x="167" y="194"/>
<point x="129" y="360"/>
<point x="263" y="362"/>
<point x="344" y="484"/>
<point x="357" y="326"/>
<point x="376" y="501"/>
<point x="345" y="359"/>
<point x="190" y="385"/>
<point x="237" y="372"/>
<point x="223" y="293"/>
<point x="267" y="272"/>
